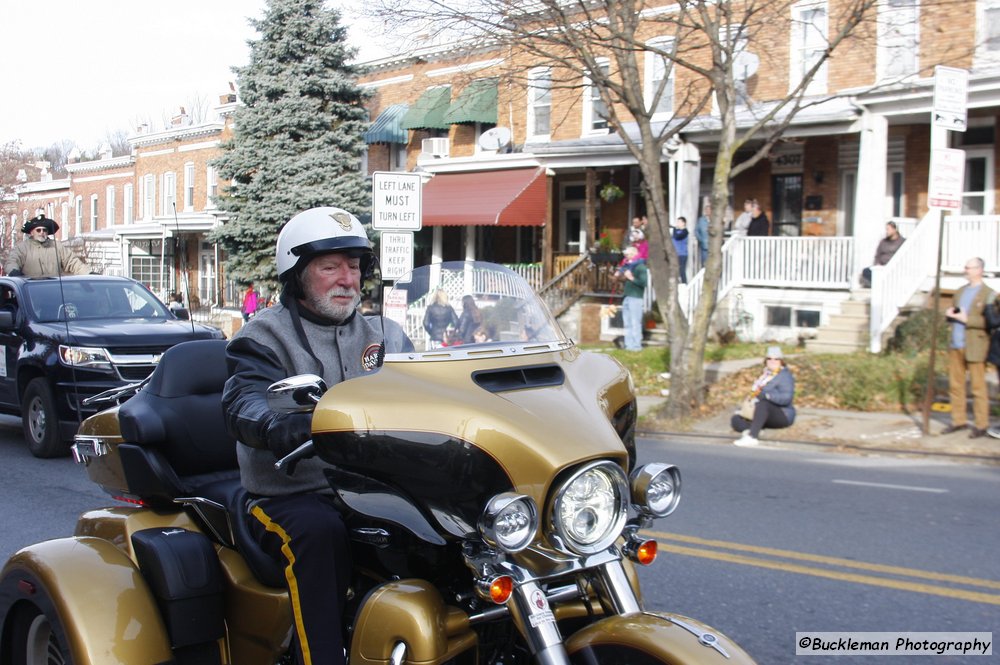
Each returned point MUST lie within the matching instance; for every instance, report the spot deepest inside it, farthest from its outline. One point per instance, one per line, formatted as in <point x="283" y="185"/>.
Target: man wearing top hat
<point x="40" y="254"/>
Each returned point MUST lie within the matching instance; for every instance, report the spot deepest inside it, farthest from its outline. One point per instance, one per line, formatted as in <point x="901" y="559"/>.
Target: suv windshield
<point x="467" y="308"/>
<point x="62" y="300"/>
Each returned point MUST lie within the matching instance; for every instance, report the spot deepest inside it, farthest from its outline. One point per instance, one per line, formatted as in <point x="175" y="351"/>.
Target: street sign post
<point x="951" y="87"/>
<point x="396" y="254"/>
<point x="396" y="201"/>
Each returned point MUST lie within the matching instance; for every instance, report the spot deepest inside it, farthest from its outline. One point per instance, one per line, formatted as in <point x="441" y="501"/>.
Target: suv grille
<point x="135" y="372"/>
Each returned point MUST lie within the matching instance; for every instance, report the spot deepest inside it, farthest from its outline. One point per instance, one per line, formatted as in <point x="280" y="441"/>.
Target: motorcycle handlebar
<point x="289" y="461"/>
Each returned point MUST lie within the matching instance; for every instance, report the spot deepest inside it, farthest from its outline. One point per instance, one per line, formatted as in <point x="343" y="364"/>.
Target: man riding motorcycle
<point x="323" y="255"/>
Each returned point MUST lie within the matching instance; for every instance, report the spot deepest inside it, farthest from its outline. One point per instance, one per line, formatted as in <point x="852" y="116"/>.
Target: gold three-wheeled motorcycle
<point x="489" y="486"/>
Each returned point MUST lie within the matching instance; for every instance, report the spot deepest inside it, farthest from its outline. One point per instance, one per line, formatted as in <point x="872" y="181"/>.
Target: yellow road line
<point x="959" y="594"/>
<point x="828" y="560"/>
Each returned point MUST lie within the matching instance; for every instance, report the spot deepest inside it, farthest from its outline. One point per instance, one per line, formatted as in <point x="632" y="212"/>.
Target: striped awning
<point x="514" y="197"/>
<point x="387" y="128"/>
<point x="428" y="111"/>
<point x="476" y="103"/>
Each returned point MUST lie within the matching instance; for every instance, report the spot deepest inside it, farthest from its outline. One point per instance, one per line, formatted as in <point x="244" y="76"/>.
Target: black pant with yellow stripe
<point x="306" y="535"/>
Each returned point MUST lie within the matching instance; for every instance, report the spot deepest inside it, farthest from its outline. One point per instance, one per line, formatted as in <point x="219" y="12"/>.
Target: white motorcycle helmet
<point x="320" y="231"/>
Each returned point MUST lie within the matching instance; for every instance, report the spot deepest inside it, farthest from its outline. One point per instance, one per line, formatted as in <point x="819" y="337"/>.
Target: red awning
<point x="515" y="197"/>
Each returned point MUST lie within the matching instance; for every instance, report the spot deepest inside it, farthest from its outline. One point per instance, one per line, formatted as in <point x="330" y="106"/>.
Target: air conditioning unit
<point x="437" y="147"/>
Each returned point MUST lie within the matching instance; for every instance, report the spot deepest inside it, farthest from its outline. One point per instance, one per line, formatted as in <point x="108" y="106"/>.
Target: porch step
<point x="846" y="332"/>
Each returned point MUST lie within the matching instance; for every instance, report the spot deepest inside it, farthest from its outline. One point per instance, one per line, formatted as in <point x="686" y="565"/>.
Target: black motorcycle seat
<point x="231" y="494"/>
<point x="179" y="411"/>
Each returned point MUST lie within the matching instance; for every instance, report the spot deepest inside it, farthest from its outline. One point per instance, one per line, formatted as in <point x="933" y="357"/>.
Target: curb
<point x="826" y="446"/>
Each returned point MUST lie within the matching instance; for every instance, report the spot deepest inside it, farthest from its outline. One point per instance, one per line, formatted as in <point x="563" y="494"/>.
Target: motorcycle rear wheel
<point x="33" y="639"/>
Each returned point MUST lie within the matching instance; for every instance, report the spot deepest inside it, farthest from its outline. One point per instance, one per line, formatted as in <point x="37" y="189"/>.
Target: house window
<point x="896" y="201"/>
<point x="781" y="316"/>
<point x="64" y="226"/>
<point x="659" y="78"/>
<point x="809" y="44"/>
<point x="397" y="156"/>
<point x="168" y="206"/>
<point x="539" y="102"/>
<point x="898" y="28"/>
<point x="78" y="216"/>
<point x="189" y="187"/>
<point x="213" y="186"/>
<point x="595" y="111"/>
<point x="93" y="212"/>
<point x="148" y="195"/>
<point x="129" y="204"/>
<point x="109" y="206"/>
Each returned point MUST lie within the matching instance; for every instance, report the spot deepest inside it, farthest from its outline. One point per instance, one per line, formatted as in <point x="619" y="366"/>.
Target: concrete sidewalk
<point x="846" y="431"/>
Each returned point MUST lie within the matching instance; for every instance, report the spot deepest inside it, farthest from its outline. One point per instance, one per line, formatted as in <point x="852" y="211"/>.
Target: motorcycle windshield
<point x="470" y="309"/>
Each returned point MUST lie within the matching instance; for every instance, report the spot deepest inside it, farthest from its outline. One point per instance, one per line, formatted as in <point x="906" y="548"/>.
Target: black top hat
<point x="40" y="220"/>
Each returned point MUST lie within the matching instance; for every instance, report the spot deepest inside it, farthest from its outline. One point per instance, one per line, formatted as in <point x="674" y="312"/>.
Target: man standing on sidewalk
<point x="967" y="352"/>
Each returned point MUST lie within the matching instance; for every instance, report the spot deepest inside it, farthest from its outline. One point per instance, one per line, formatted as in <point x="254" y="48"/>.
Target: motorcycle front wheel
<point x="33" y="639"/>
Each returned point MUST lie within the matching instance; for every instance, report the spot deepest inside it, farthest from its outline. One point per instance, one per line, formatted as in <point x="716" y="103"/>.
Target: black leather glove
<point x="15" y="273"/>
<point x="288" y="431"/>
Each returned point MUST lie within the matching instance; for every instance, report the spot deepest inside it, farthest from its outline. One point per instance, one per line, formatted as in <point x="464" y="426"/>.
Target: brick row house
<point x="856" y="159"/>
<point x="144" y="215"/>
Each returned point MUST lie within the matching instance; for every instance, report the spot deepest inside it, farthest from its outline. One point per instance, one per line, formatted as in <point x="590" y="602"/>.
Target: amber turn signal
<point x="645" y="554"/>
<point x="500" y="589"/>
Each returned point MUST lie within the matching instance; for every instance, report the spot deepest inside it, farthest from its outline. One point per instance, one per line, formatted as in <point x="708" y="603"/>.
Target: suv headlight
<point x="509" y="522"/>
<point x="589" y="510"/>
<point x="656" y="489"/>
<point x="84" y="356"/>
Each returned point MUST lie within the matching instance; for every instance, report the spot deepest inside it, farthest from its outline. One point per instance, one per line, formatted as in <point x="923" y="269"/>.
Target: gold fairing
<point x="532" y="433"/>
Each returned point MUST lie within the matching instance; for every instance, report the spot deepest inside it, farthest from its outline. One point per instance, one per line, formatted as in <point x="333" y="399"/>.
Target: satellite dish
<point x="745" y="65"/>
<point x="495" y="138"/>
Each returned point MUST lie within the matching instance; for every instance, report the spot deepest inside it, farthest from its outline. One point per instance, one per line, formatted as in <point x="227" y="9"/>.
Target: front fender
<point x="95" y="597"/>
<point x="649" y="638"/>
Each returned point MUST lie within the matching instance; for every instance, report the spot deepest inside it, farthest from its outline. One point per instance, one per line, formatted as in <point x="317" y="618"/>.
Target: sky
<point x="80" y="69"/>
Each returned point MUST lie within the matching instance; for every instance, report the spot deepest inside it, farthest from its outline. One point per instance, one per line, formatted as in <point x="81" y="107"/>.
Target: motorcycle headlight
<point x="84" y="356"/>
<point x="589" y="508"/>
<point x="510" y="521"/>
<point x="656" y="489"/>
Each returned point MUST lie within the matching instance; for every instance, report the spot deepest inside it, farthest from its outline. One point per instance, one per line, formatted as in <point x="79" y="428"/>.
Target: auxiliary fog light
<point x="656" y="489"/>
<point x="509" y="522"/>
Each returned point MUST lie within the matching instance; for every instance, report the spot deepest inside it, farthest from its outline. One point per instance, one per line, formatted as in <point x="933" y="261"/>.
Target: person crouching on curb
<point x="772" y="394"/>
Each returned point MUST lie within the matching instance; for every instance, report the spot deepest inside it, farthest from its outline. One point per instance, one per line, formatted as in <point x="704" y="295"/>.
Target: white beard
<point x="323" y="305"/>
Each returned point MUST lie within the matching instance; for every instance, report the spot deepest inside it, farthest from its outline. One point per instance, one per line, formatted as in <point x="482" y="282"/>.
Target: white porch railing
<point x="895" y="283"/>
<point x="806" y="263"/>
<point x="966" y="236"/>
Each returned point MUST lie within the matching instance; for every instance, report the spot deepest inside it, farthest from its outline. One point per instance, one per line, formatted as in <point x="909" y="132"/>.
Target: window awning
<point x="428" y="111"/>
<point x="387" y="128"/>
<point x="516" y="197"/>
<point x="476" y="103"/>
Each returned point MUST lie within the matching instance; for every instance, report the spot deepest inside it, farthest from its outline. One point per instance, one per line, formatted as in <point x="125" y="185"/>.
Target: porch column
<point x="869" y="200"/>
<point x="436" y="246"/>
<point x="590" y="212"/>
<point x="470" y="243"/>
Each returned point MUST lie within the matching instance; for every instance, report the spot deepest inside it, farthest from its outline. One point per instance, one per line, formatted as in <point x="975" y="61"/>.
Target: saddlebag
<point x="183" y="572"/>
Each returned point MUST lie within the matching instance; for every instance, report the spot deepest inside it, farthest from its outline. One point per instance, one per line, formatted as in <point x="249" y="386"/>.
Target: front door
<point x="787" y="205"/>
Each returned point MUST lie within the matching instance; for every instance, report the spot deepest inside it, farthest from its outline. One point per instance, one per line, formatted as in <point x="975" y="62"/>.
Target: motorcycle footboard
<point x="649" y="638"/>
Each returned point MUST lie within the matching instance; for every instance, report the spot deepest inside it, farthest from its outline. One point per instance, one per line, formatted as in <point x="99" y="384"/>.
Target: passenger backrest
<point x="179" y="412"/>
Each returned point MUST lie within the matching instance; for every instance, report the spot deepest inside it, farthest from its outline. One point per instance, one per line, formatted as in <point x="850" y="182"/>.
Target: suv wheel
<point x="41" y="424"/>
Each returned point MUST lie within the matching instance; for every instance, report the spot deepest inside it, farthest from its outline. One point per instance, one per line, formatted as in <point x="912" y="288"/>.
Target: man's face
<point x="332" y="285"/>
<point x="973" y="271"/>
<point x="891" y="232"/>
<point x="40" y="233"/>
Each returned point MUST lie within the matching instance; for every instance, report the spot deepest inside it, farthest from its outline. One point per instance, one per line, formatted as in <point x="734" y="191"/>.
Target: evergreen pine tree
<point x="297" y="138"/>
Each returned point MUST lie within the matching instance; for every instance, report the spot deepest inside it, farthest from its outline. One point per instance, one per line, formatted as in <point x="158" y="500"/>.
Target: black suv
<point x="69" y="338"/>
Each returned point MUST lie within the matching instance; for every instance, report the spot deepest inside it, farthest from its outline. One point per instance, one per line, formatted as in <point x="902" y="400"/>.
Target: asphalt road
<point x="764" y="544"/>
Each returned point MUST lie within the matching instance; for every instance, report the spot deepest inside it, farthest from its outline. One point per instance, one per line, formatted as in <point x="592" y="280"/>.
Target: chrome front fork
<point x="542" y="633"/>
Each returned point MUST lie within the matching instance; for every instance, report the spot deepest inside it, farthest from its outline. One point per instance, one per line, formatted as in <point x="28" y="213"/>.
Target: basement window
<point x="781" y="316"/>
